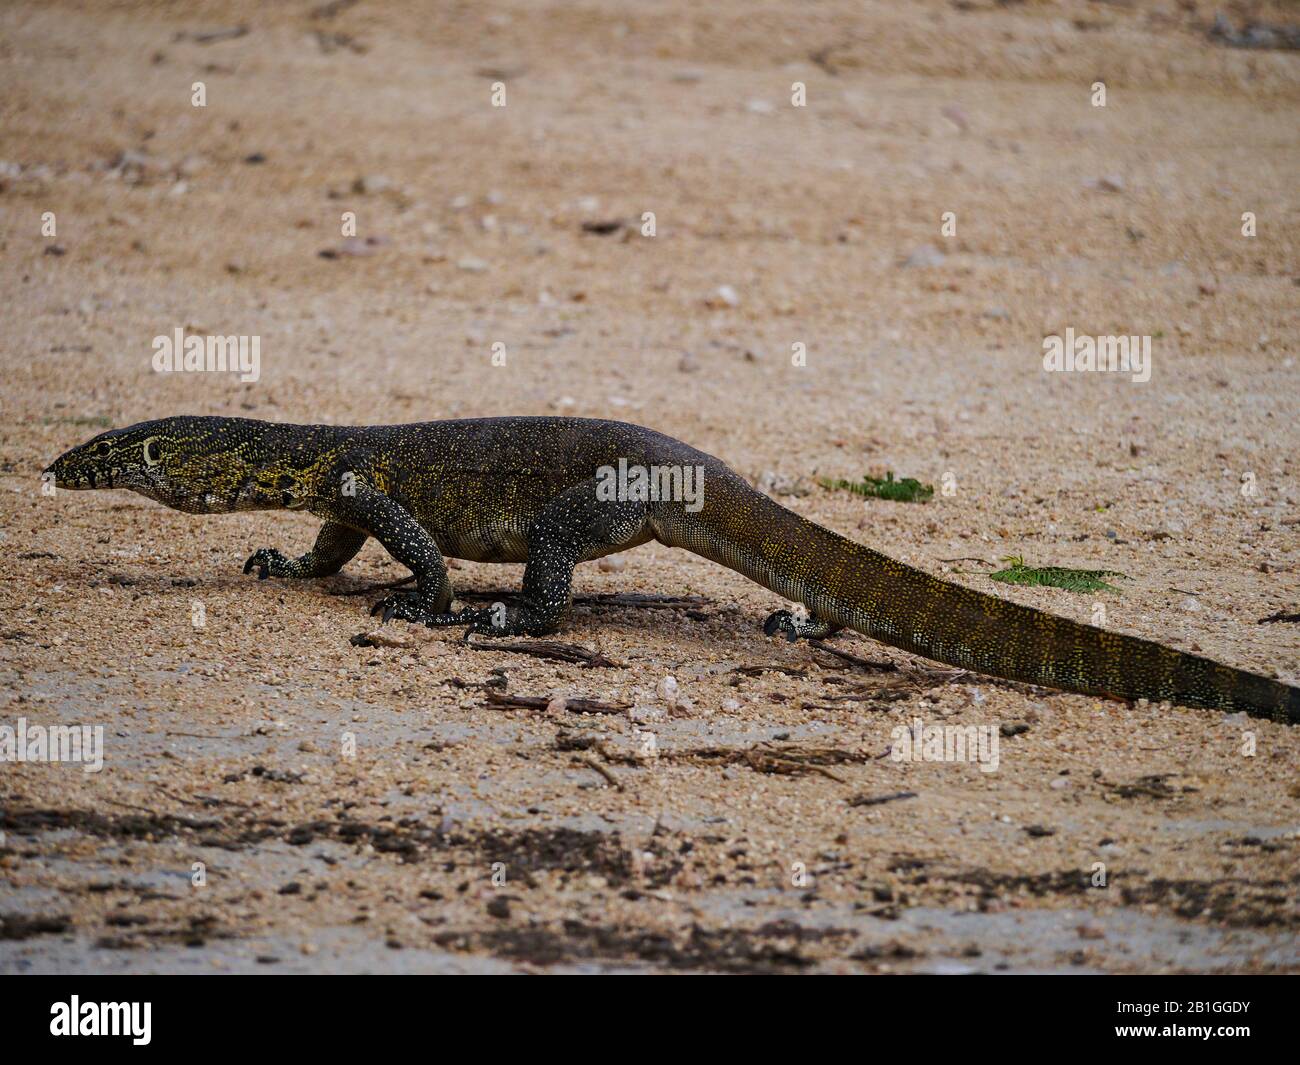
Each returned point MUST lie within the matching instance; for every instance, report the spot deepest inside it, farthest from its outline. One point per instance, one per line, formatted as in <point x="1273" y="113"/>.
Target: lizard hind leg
<point x="796" y="626"/>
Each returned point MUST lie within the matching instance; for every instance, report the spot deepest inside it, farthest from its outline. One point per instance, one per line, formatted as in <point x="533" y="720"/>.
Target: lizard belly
<point x="483" y="543"/>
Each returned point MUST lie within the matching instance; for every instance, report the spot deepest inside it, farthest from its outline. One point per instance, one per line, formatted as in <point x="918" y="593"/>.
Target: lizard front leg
<point x="336" y="546"/>
<point x="407" y="541"/>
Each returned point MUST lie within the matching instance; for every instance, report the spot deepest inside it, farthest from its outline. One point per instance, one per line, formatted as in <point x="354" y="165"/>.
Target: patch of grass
<point x="908" y="490"/>
<point x="1072" y="580"/>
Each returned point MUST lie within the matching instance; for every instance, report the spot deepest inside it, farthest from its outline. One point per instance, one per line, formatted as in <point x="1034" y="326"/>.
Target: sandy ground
<point x="375" y="808"/>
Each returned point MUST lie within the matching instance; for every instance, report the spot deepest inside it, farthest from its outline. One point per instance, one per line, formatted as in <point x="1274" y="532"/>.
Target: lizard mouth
<point x="79" y="481"/>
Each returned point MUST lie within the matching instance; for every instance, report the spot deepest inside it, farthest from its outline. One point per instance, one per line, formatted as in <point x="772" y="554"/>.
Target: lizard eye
<point x="152" y="452"/>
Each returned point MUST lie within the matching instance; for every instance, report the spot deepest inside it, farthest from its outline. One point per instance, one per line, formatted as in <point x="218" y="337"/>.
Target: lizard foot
<point x="468" y="616"/>
<point x="495" y="620"/>
<point x="410" y="606"/>
<point x="268" y="562"/>
<point x="794" y="627"/>
<point x="500" y="620"/>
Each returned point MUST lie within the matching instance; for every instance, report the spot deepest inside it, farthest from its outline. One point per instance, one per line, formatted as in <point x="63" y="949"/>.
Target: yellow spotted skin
<point x="526" y="490"/>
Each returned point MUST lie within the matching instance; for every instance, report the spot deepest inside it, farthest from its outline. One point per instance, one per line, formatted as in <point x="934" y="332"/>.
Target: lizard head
<point x="195" y="464"/>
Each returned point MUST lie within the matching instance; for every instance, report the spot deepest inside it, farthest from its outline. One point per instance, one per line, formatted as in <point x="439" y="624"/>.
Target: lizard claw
<point x="781" y="621"/>
<point x="268" y="562"/>
<point x="408" y="607"/>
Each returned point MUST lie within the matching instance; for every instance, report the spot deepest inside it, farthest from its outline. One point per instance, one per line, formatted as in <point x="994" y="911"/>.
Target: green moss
<point x="1072" y="580"/>
<point x="908" y="490"/>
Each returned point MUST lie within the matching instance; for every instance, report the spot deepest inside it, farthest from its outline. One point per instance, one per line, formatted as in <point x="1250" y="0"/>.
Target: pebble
<point x="723" y="296"/>
<point x="370" y="184"/>
<point x="927" y="255"/>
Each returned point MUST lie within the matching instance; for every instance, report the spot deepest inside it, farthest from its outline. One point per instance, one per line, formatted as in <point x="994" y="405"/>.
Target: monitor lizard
<point x="535" y="490"/>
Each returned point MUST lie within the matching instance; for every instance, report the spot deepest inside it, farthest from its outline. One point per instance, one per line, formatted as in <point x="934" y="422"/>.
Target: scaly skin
<point x="524" y="490"/>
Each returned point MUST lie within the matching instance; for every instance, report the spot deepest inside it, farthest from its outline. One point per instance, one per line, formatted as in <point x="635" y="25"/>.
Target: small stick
<point x="861" y="663"/>
<point x="550" y="649"/>
<point x="759" y="670"/>
<point x="879" y="800"/>
<point x="502" y="701"/>
<point x="377" y="587"/>
<point x="591" y="763"/>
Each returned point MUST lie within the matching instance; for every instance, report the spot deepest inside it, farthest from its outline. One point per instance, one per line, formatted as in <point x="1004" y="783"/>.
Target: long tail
<point x="847" y="584"/>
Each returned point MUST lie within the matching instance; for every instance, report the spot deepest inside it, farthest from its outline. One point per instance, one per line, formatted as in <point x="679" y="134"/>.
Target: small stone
<point x="956" y="116"/>
<point x="724" y="296"/>
<point x="682" y="707"/>
<point x="611" y="564"/>
<point x="471" y="265"/>
<point x="927" y="255"/>
<point x="370" y="184"/>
